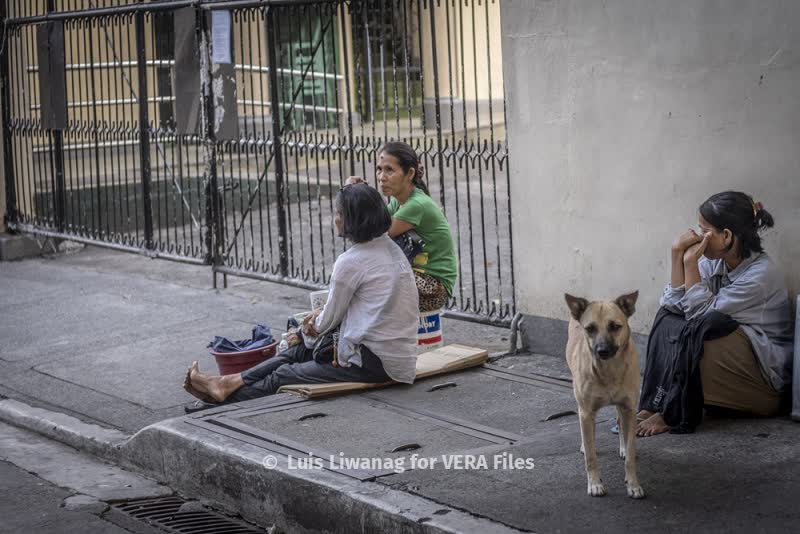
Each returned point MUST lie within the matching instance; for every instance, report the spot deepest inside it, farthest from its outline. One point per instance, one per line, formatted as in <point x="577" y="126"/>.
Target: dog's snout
<point x="605" y="349"/>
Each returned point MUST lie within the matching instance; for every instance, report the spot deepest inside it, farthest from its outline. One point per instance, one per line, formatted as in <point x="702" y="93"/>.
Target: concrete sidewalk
<point x="106" y="337"/>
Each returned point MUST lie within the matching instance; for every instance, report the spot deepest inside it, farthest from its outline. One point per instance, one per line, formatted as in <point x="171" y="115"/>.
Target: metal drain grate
<point x="166" y="513"/>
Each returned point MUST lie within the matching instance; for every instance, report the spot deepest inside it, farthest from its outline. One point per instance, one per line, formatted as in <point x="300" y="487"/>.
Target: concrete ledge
<point x="93" y="480"/>
<point x="231" y="473"/>
<point x="17" y="247"/>
<point x="199" y="462"/>
<point x="96" y="440"/>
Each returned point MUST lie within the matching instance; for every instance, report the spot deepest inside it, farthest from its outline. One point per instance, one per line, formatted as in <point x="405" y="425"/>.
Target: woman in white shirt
<point x="373" y="302"/>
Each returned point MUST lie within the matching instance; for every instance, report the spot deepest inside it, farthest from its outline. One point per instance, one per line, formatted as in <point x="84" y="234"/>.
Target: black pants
<point x="297" y="366"/>
<point x="659" y="367"/>
<point x="672" y="383"/>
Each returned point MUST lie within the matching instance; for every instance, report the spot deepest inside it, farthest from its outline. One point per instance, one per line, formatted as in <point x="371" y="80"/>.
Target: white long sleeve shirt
<point x="373" y="299"/>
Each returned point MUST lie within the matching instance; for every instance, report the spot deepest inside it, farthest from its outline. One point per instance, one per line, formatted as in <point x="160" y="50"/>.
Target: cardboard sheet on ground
<point x="436" y="362"/>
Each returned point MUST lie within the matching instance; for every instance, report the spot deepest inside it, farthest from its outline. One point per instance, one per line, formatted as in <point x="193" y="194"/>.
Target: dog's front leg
<point x="595" y="486"/>
<point x="622" y="420"/>
<point x="627" y="434"/>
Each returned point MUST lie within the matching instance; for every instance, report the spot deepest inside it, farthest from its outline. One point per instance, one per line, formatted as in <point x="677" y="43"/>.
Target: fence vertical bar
<point x="209" y="141"/>
<point x="5" y="95"/>
<point x="144" y="130"/>
<point x="277" y="147"/>
<point x="58" y="163"/>
<point x="437" y="104"/>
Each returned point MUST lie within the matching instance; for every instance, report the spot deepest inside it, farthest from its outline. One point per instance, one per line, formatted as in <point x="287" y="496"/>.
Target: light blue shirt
<point x="755" y="295"/>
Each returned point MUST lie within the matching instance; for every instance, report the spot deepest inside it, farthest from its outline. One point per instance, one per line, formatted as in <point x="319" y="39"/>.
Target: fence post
<point x="214" y="223"/>
<point x="280" y="186"/>
<point x="9" y="214"/>
<point x="144" y="130"/>
<point x="437" y="104"/>
<point x="58" y="162"/>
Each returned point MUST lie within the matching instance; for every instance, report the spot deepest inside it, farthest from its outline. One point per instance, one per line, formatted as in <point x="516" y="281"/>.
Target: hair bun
<point x="762" y="219"/>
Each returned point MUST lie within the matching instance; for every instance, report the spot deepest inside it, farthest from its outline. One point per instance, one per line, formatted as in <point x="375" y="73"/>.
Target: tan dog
<point x="605" y="370"/>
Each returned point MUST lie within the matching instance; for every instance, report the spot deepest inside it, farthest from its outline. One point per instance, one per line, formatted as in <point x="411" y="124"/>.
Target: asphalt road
<point x="31" y="504"/>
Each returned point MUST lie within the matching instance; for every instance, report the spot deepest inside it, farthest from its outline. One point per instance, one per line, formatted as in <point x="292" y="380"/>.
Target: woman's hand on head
<point x="354" y="180"/>
<point x="695" y="251"/>
<point x="686" y="240"/>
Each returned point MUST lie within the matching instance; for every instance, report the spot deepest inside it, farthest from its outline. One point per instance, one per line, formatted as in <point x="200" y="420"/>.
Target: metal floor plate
<point x="514" y="403"/>
<point x="478" y="410"/>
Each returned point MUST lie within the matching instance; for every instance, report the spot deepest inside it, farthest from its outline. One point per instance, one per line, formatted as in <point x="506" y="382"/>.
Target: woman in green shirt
<point x="400" y="175"/>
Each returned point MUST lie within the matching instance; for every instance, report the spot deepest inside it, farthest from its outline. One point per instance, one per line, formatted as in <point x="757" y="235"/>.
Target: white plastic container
<point x="284" y="344"/>
<point x="429" y="331"/>
<point x="318" y="299"/>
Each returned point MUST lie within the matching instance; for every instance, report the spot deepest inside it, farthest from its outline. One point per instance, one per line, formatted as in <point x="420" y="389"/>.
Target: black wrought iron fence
<point x="220" y="132"/>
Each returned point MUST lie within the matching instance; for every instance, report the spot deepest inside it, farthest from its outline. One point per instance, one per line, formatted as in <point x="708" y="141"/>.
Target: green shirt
<point x="438" y="258"/>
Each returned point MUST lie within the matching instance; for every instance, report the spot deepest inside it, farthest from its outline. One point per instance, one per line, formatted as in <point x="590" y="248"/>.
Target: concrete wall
<point x="468" y="35"/>
<point x="2" y="181"/>
<point x="624" y="115"/>
<point x="2" y="175"/>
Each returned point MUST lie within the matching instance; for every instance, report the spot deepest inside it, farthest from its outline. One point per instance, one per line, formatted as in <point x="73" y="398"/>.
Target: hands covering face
<point x="691" y="245"/>
<point x="685" y="240"/>
<point x="695" y="251"/>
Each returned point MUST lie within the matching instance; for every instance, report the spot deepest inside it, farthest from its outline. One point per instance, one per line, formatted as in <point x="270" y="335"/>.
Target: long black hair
<point x="363" y="212"/>
<point x="408" y="159"/>
<point x="738" y="213"/>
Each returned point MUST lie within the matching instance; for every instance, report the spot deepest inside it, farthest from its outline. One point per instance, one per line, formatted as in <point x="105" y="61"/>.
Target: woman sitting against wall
<point x="400" y="177"/>
<point x="371" y="315"/>
<point x="723" y="337"/>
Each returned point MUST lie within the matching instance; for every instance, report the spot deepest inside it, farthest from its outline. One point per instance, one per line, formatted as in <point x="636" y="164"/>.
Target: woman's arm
<point x="691" y="259"/>
<point x="692" y="275"/>
<point x="406" y="217"/>
<point x="399" y="227"/>
<point x="679" y="247"/>
<point x="677" y="275"/>
<point x="744" y="300"/>
<point x="344" y="283"/>
<point x="673" y="293"/>
<point x="671" y="299"/>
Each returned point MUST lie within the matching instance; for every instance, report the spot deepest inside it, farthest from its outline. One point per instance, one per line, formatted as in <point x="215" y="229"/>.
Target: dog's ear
<point x="576" y="305"/>
<point x="627" y="303"/>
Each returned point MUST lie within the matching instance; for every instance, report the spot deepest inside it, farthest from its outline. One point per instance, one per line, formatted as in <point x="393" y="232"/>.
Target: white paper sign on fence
<point x="221" y="36"/>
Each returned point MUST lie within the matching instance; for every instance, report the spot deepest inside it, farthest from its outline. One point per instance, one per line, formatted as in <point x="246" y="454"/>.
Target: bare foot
<point x="215" y="386"/>
<point x="187" y="385"/>
<point x="641" y="416"/>
<point x="652" y="426"/>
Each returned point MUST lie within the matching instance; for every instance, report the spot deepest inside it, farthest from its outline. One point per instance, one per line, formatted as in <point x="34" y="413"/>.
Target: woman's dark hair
<point x="408" y="159"/>
<point x="363" y="212"/>
<point x="738" y="213"/>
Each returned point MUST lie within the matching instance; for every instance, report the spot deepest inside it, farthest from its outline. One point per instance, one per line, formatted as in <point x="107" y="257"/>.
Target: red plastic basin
<point x="230" y="363"/>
